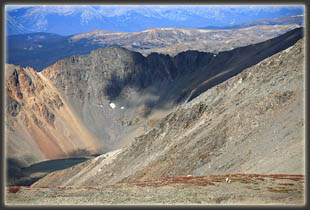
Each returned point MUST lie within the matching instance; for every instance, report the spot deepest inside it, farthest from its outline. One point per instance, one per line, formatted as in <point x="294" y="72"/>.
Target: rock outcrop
<point x="39" y="123"/>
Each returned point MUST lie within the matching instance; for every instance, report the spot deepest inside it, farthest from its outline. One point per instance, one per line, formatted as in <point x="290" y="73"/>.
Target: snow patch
<point x="112" y="105"/>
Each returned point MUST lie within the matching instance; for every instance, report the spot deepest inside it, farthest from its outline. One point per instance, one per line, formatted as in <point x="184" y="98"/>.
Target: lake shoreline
<point x="30" y="174"/>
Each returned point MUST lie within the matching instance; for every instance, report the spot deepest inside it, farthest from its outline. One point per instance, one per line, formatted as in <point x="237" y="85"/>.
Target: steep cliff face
<point x="144" y="85"/>
<point x="106" y="72"/>
<point x="64" y="110"/>
<point x="124" y="78"/>
<point x="39" y="123"/>
<point x="251" y="123"/>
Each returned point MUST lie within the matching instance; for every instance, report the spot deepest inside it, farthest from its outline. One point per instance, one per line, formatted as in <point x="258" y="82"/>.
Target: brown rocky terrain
<point x="241" y="189"/>
<point x="40" y="125"/>
<point x="239" y="111"/>
<point x="254" y="117"/>
<point x="248" y="131"/>
<point x="145" y="85"/>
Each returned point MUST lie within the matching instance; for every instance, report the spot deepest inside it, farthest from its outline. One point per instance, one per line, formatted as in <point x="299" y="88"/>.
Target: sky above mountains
<point x="73" y="19"/>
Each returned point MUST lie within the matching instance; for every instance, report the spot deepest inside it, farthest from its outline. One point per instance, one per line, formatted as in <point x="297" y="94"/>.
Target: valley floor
<point x="228" y="189"/>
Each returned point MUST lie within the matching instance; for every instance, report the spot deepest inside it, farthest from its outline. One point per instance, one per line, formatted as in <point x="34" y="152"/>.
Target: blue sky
<point x="10" y="7"/>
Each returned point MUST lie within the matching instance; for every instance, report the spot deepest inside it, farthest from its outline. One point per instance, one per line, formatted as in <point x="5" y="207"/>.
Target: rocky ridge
<point x="114" y="93"/>
<point x="251" y="123"/>
<point x="144" y="85"/>
<point x="172" y="41"/>
<point x="40" y="50"/>
<point x="244" y="121"/>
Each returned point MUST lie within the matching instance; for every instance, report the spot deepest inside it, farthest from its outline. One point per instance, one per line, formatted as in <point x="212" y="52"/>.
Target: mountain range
<point x="297" y="19"/>
<point x="113" y="97"/>
<point x="39" y="50"/>
<point x="251" y="123"/>
<point x="195" y="128"/>
<point x="74" y="19"/>
<point x="155" y="104"/>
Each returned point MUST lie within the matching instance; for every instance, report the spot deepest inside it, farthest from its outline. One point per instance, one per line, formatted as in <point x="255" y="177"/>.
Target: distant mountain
<point x="297" y="19"/>
<point x="39" y="50"/>
<point x="13" y="27"/>
<point x="69" y="20"/>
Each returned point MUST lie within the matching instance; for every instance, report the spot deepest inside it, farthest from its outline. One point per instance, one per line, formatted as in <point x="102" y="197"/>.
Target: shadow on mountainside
<point x="188" y="74"/>
<point x="230" y="63"/>
<point x="144" y="86"/>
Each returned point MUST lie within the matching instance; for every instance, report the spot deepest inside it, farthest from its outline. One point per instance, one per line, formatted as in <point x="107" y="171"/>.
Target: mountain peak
<point x="198" y="137"/>
<point x="134" y="18"/>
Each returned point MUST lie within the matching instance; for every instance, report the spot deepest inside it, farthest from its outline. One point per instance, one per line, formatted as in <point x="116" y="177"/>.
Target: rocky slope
<point x="140" y="86"/>
<point x="251" y="122"/>
<point x="40" y="124"/>
<point x="113" y="90"/>
<point x="100" y="102"/>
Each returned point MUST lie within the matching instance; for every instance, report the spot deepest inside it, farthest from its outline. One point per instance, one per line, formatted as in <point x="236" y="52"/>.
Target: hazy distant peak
<point x="133" y="18"/>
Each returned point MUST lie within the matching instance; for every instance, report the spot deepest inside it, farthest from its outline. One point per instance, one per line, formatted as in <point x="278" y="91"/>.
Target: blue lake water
<point x="53" y="165"/>
<point x="29" y="174"/>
